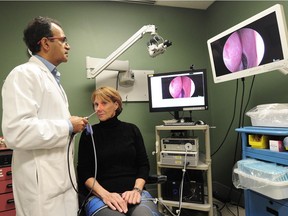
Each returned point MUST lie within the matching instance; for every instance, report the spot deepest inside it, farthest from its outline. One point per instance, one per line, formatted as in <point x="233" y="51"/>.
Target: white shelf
<point x="204" y="164"/>
<point x="182" y="127"/>
<point x="195" y="206"/>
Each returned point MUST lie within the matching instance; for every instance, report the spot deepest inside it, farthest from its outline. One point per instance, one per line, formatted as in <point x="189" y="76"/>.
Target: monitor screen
<point x="256" y="45"/>
<point x="178" y="91"/>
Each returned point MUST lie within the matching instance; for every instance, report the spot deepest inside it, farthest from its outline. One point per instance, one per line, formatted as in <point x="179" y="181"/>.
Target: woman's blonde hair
<point x="108" y="94"/>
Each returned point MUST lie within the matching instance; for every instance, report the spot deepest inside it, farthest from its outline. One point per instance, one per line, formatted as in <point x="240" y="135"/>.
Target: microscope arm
<point x="93" y="72"/>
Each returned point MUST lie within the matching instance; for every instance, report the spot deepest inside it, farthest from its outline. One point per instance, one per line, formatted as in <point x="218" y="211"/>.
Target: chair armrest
<point x="156" y="179"/>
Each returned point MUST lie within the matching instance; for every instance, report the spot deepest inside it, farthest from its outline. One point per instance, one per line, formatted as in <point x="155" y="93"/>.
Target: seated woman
<point x="122" y="166"/>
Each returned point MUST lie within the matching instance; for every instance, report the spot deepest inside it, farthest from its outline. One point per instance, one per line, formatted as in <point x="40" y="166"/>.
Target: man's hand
<point x="78" y="123"/>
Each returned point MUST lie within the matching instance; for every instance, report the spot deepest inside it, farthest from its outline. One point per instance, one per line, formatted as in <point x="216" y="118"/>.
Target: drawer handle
<point x="272" y="211"/>
<point x="9" y="186"/>
<point x="9" y="173"/>
<point x="10" y="201"/>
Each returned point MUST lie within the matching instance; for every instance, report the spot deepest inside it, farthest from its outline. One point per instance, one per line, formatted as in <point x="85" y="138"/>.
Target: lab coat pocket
<point x="53" y="176"/>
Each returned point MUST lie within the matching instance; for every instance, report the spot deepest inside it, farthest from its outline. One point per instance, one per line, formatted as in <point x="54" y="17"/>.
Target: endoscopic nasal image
<point x="181" y="87"/>
<point x="243" y="49"/>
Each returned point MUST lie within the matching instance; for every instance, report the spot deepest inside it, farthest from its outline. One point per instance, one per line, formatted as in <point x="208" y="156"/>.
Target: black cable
<point x="240" y="118"/>
<point x="231" y="123"/>
<point x="241" y="124"/>
<point x="182" y="184"/>
<point x="238" y="136"/>
<point x="68" y="161"/>
<point x="248" y="100"/>
<point x="69" y="171"/>
<point x="179" y="115"/>
<point x="190" y="114"/>
<point x="95" y="173"/>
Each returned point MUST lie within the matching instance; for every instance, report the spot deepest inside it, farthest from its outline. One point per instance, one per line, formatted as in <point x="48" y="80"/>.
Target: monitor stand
<point x="185" y="119"/>
<point x="176" y="115"/>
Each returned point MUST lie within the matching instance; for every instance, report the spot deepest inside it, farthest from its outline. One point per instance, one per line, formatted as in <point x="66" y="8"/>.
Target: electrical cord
<point x="182" y="184"/>
<point x="240" y="124"/>
<point x="240" y="121"/>
<point x="156" y="200"/>
<point x="68" y="161"/>
<point x="182" y="114"/>
<point x="231" y="123"/>
<point x="234" y="112"/>
<point x="178" y="211"/>
<point x="89" y="129"/>
<point x="248" y="100"/>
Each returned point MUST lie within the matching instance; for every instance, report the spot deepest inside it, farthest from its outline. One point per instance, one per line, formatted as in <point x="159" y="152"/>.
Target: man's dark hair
<point x="38" y="28"/>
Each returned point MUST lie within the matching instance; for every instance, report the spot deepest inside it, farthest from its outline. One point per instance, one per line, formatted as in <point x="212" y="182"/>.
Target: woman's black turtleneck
<point x="121" y="156"/>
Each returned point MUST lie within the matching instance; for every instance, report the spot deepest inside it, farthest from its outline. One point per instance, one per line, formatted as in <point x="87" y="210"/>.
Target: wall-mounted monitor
<point x="178" y="91"/>
<point x="256" y="45"/>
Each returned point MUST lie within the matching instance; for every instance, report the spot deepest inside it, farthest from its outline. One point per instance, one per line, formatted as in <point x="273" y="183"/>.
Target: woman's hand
<point x="132" y="197"/>
<point x="115" y="202"/>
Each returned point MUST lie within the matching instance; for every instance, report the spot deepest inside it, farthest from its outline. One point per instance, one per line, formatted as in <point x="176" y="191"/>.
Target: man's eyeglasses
<point x="62" y="39"/>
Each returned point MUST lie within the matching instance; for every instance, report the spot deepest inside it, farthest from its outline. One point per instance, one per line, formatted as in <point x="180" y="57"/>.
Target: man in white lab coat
<point x="38" y="126"/>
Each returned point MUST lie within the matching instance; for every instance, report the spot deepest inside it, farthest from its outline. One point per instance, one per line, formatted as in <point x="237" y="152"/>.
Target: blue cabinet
<point x="257" y="204"/>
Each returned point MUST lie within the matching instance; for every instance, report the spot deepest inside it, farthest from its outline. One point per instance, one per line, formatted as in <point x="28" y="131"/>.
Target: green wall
<point x="96" y="29"/>
<point x="268" y="88"/>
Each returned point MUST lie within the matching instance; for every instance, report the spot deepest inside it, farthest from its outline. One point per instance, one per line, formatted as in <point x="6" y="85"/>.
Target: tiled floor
<point x="231" y="210"/>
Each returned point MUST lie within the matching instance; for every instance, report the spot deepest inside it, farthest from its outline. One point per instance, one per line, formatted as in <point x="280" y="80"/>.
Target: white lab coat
<point x="34" y="125"/>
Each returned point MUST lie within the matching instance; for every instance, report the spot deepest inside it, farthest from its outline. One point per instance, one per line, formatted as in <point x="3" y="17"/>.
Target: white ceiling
<point x="193" y="4"/>
<point x="203" y="5"/>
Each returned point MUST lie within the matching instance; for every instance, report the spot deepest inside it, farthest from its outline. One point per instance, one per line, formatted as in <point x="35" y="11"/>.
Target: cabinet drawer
<point x="6" y="186"/>
<point x="264" y="206"/>
<point x="6" y="202"/>
<point x="5" y="173"/>
<point x="8" y="213"/>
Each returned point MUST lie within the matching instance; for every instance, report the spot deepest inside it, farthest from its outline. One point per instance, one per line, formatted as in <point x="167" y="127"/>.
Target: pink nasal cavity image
<point x="181" y="87"/>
